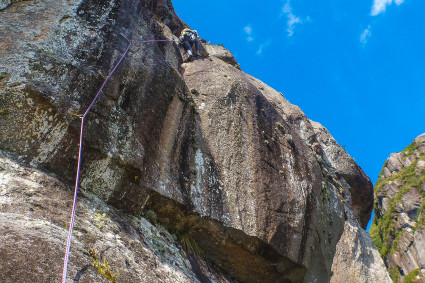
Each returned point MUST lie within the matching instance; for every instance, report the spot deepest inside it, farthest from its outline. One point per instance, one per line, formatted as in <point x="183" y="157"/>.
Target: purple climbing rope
<point x="147" y="41"/>
<point x="71" y="223"/>
<point x="104" y="83"/>
<point x="77" y="178"/>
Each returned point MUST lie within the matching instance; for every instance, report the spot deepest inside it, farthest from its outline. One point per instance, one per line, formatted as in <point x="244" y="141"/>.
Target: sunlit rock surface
<point x="222" y="161"/>
<point x="357" y="259"/>
<point x="398" y="228"/>
<point x="34" y="214"/>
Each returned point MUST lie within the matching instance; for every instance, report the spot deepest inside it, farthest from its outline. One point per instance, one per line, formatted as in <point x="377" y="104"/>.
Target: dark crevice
<point x="241" y="256"/>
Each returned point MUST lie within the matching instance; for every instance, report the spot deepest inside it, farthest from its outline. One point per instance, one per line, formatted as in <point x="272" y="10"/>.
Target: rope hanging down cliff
<point x="77" y="178"/>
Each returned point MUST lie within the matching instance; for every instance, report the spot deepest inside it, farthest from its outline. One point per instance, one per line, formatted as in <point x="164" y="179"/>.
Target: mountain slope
<point x="398" y="227"/>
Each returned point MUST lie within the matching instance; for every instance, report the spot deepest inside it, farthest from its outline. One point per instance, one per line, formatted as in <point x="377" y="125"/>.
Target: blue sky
<point x="357" y="67"/>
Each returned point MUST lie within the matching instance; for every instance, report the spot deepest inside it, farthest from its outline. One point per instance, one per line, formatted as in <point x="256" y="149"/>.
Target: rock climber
<point x="188" y="37"/>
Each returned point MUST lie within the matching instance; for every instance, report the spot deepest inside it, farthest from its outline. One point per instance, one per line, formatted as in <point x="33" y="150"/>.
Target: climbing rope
<point x="77" y="178"/>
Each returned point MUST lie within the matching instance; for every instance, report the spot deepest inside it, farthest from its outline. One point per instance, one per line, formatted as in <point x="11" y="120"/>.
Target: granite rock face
<point x="357" y="259"/>
<point x="274" y="148"/>
<point x="215" y="156"/>
<point x="398" y="228"/>
<point x="34" y="214"/>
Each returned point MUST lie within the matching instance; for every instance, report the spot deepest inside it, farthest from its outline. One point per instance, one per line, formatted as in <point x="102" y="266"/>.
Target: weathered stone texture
<point x="34" y="216"/>
<point x="357" y="259"/>
<point x="398" y="228"/>
<point x="216" y="155"/>
<point x="221" y="53"/>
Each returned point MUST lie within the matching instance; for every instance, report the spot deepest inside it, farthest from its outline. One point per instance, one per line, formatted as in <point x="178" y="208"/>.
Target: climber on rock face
<point x="188" y="37"/>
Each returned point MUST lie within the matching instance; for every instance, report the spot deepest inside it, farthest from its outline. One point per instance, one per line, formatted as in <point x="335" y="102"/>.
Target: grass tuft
<point x="102" y="265"/>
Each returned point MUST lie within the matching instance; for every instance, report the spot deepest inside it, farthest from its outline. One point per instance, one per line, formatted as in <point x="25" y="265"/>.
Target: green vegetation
<point x="219" y="44"/>
<point x="407" y="151"/>
<point x="383" y="230"/>
<point x="150" y="215"/>
<point x="190" y="244"/>
<point x="99" y="219"/>
<point x="394" y="244"/>
<point x="411" y="277"/>
<point x="421" y="217"/>
<point x="406" y="176"/>
<point x="411" y="148"/>
<point x="102" y="265"/>
<point x="182" y="97"/>
<point x="325" y="192"/>
<point x="394" y="274"/>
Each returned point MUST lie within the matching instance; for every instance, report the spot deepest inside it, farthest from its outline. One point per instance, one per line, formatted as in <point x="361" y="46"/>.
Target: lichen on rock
<point x="33" y="230"/>
<point x="398" y="227"/>
<point x="205" y="151"/>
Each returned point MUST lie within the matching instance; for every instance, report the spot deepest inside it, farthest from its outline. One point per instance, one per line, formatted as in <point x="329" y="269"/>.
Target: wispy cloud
<point x="292" y="18"/>
<point x="379" y="6"/>
<point x="263" y="46"/>
<point x="249" y="33"/>
<point x="366" y="34"/>
<point x="250" y="36"/>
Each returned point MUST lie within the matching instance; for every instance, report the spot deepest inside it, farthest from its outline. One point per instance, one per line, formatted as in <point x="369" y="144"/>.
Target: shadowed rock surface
<point x="34" y="214"/>
<point x="398" y="227"/>
<point x="255" y="190"/>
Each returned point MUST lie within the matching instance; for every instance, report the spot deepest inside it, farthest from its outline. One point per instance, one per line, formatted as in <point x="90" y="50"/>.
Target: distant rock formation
<point x="250" y="188"/>
<point x="398" y="229"/>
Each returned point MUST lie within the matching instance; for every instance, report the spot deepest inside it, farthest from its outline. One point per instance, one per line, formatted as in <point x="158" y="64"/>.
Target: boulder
<point x="357" y="259"/>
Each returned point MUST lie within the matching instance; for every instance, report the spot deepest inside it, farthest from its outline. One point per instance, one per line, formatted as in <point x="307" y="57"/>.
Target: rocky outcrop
<point x="218" y="51"/>
<point x="34" y="214"/>
<point x="357" y="259"/>
<point x="298" y="160"/>
<point x="398" y="227"/>
<point x="214" y="155"/>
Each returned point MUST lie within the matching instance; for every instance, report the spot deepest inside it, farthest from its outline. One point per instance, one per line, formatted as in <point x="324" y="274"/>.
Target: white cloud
<point x="366" y="34"/>
<point x="263" y="46"/>
<point x="260" y="50"/>
<point x="292" y="19"/>
<point x="251" y="37"/>
<point x="248" y="30"/>
<point x="379" y="6"/>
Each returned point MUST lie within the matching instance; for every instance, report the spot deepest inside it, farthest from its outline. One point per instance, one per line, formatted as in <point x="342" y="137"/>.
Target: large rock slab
<point x="216" y="155"/>
<point x="34" y="215"/>
<point x="293" y="176"/>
